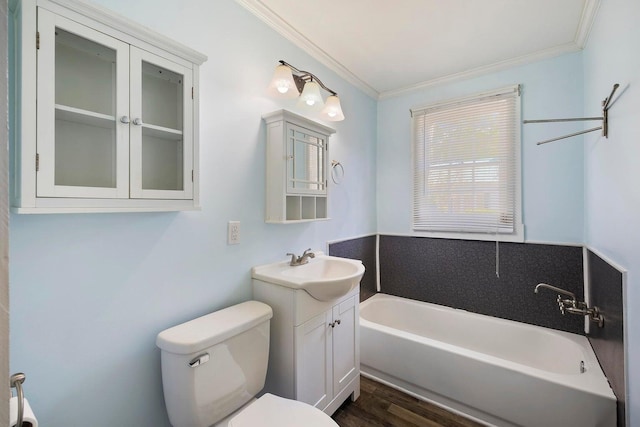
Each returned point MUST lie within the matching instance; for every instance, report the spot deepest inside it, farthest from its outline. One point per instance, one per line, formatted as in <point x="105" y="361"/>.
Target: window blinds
<point x="466" y="164"/>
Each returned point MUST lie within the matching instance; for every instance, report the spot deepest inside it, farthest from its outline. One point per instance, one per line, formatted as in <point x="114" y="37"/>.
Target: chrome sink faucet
<point x="301" y="260"/>
<point x="573" y="306"/>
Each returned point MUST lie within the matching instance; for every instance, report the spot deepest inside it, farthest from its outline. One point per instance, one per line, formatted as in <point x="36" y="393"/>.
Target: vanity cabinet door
<point x="161" y="117"/>
<point x="313" y="361"/>
<point x="346" y="365"/>
<point x="82" y="110"/>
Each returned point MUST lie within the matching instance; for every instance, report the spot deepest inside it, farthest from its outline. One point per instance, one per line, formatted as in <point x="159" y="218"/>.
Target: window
<point x="466" y="156"/>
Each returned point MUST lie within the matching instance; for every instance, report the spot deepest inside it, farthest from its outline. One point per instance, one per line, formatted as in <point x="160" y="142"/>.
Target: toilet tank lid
<point x="206" y="331"/>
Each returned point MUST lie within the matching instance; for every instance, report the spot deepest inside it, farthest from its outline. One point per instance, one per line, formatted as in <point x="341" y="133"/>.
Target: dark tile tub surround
<point x="462" y="274"/>
<point x="364" y="249"/>
<point x="605" y="283"/>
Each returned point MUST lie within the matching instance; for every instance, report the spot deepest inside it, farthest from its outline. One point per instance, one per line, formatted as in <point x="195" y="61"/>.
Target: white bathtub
<point x="496" y="371"/>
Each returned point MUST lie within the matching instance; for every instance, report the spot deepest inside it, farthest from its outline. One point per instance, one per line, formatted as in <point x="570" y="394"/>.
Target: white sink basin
<point x="324" y="277"/>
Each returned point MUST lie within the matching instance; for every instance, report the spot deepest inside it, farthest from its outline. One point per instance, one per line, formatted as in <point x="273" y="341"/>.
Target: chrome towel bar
<point x="604" y="118"/>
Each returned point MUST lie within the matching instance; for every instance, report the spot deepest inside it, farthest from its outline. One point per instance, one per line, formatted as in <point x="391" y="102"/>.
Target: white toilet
<point x="213" y="366"/>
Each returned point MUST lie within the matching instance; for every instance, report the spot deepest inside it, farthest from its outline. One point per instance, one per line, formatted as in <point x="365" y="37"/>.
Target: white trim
<point x="490" y="238"/>
<point x="607" y="259"/>
<point x="546" y="242"/>
<point x="258" y="9"/>
<point x="484" y="69"/>
<point x="625" y="340"/>
<point x="589" y="13"/>
<point x="346" y="239"/>
<point x="275" y="21"/>
<point x="460" y="236"/>
<point x="586" y="286"/>
<point x="378" y="288"/>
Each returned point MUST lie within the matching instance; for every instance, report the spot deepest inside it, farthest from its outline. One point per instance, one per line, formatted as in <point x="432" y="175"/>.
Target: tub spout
<point x="558" y="290"/>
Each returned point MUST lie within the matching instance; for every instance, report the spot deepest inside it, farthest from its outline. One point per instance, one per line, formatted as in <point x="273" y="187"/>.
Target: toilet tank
<point x="214" y="364"/>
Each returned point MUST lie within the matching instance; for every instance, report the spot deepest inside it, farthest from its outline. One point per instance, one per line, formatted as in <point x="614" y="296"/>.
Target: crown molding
<point x="261" y="11"/>
<point x="587" y="19"/>
<point x="272" y="19"/>
<point x="485" y="69"/>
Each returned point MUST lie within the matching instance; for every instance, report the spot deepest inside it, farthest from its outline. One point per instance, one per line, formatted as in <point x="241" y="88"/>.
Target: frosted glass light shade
<point x="310" y="97"/>
<point x="282" y="85"/>
<point x="332" y="110"/>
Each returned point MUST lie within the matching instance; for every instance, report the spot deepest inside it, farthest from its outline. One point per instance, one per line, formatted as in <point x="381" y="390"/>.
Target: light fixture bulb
<point x="310" y="97"/>
<point x="282" y="85"/>
<point x="332" y="110"/>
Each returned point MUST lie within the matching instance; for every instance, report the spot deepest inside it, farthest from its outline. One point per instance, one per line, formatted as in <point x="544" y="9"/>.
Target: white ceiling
<point x="387" y="47"/>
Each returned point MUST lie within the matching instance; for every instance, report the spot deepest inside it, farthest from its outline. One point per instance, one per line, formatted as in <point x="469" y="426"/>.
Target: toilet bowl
<point x="271" y="410"/>
<point x="215" y="365"/>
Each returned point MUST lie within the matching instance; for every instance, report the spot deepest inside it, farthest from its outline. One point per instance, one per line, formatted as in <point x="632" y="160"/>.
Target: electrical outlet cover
<point x="233" y="233"/>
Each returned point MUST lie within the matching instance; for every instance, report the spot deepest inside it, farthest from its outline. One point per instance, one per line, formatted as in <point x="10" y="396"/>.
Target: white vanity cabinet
<point x="115" y="125"/>
<point x="314" y="356"/>
<point x="296" y="168"/>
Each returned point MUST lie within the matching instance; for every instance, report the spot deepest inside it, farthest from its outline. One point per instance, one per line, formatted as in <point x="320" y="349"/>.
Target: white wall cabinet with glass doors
<point x="115" y="125"/>
<point x="296" y="168"/>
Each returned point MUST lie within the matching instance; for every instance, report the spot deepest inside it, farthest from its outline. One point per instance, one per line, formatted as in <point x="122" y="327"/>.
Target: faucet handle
<point x="306" y="252"/>
<point x="293" y="258"/>
<point x="561" y="305"/>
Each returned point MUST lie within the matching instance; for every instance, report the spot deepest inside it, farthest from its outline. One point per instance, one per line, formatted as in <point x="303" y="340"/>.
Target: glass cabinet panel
<point x="82" y="150"/>
<point x="162" y="148"/>
<point x="162" y="96"/>
<point x="161" y="161"/>
<point x="85" y="73"/>
<point x="85" y="134"/>
<point x="306" y="161"/>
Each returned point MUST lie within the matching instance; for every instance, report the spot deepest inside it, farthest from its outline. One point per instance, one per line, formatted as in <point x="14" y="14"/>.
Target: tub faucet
<point x="301" y="260"/>
<point x="572" y="305"/>
<point x="562" y="303"/>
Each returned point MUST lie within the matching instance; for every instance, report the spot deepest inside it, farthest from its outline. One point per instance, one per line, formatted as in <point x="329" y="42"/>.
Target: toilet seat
<point x="275" y="411"/>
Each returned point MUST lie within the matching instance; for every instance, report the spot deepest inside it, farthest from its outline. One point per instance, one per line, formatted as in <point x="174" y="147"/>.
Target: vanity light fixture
<point x="290" y="82"/>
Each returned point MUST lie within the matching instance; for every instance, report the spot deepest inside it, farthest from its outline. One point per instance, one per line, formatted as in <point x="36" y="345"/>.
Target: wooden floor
<point x="380" y="405"/>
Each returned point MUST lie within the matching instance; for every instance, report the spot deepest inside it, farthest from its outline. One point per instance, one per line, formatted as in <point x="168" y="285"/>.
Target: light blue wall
<point x="552" y="174"/>
<point x="612" y="172"/>
<point x="90" y="292"/>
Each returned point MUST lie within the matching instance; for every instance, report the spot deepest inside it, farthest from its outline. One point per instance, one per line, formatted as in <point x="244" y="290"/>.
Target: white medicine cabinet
<point x="296" y="166"/>
<point x="115" y="125"/>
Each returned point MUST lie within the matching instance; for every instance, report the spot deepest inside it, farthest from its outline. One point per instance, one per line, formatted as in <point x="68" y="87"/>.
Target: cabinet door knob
<point x="334" y="323"/>
<point x="137" y="121"/>
<point x="124" y="119"/>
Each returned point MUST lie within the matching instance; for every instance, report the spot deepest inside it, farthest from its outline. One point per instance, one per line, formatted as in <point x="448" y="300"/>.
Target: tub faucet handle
<point x="561" y="304"/>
